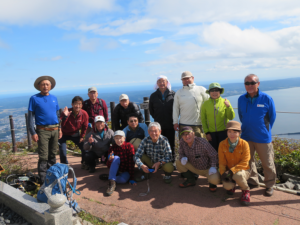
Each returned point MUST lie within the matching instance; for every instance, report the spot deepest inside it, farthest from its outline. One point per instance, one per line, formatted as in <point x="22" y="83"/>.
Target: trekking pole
<point x="13" y="137"/>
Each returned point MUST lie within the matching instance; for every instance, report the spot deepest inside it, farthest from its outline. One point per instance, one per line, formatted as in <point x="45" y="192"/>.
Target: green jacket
<point x="215" y="115"/>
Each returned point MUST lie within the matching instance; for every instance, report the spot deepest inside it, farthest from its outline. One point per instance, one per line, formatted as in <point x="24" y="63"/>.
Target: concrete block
<point x="63" y="217"/>
<point x="23" y="204"/>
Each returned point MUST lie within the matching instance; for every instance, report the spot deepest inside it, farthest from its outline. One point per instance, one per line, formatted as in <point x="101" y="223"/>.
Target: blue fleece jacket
<point x="257" y="118"/>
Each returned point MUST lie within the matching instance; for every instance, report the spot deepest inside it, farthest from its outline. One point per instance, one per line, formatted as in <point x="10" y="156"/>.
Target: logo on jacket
<point x="260" y="105"/>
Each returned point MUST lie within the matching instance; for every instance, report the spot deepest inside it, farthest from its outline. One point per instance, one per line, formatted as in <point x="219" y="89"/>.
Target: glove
<point x="212" y="170"/>
<point x="90" y="125"/>
<point x="132" y="182"/>
<point x="184" y="160"/>
<point x="227" y="176"/>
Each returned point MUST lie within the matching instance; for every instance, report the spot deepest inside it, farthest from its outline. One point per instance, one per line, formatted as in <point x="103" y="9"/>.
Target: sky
<point x="114" y="44"/>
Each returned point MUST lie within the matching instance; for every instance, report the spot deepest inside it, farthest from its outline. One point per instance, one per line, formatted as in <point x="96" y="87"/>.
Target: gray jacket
<point x="100" y="146"/>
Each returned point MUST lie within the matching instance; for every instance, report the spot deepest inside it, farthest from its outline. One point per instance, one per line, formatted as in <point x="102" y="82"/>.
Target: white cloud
<point x="156" y="40"/>
<point x="124" y="41"/>
<point x="56" y="58"/>
<point x="89" y="44"/>
<point x="36" y="11"/>
<point x="3" y="45"/>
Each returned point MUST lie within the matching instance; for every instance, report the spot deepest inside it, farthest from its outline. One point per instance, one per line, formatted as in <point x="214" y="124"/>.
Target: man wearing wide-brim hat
<point x="44" y="108"/>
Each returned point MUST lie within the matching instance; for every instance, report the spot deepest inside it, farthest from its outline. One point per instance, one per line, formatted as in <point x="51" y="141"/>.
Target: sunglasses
<point x="131" y="121"/>
<point x="251" y="83"/>
<point x="214" y="90"/>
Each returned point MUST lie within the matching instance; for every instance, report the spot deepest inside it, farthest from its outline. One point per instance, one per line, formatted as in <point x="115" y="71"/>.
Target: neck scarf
<point x="232" y="145"/>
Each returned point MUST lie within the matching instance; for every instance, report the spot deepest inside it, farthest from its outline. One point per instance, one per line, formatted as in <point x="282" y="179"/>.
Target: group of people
<point x="225" y="157"/>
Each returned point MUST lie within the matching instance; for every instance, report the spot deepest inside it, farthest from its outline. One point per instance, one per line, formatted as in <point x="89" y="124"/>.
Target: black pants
<point x="91" y="157"/>
<point x="217" y="137"/>
<point x="63" y="147"/>
<point x="170" y="134"/>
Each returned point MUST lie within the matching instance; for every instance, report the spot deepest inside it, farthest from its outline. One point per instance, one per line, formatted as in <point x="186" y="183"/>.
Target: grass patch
<point x="94" y="220"/>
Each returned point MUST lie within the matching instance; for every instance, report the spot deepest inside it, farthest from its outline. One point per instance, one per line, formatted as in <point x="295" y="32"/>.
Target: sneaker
<point x="269" y="191"/>
<point x="167" y="179"/>
<point x="111" y="187"/>
<point x="231" y="191"/>
<point x="245" y="199"/>
<point x="212" y="187"/>
<point x="145" y="176"/>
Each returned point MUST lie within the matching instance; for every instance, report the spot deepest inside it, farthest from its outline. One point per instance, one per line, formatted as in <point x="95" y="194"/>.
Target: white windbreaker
<point x="187" y="104"/>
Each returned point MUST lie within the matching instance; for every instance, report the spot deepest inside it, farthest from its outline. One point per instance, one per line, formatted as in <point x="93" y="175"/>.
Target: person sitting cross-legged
<point x="154" y="152"/>
<point x="120" y="162"/>
<point x="135" y="132"/>
<point x="197" y="156"/>
<point x="234" y="156"/>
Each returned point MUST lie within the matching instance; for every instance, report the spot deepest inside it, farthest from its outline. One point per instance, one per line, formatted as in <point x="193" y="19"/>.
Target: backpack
<point x="56" y="183"/>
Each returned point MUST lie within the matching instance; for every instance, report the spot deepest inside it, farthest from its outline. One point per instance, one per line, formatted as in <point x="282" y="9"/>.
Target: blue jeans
<point x="63" y="147"/>
<point x="121" y="178"/>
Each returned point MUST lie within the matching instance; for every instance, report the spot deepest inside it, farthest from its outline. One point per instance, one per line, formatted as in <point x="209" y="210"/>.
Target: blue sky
<point x="106" y="43"/>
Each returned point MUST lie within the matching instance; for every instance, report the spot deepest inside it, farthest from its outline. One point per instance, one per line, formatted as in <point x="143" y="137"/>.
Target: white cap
<point x="123" y="96"/>
<point x="119" y="133"/>
<point x="99" y="118"/>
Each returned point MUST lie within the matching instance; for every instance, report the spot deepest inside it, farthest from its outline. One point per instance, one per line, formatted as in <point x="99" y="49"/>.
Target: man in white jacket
<point x="187" y="104"/>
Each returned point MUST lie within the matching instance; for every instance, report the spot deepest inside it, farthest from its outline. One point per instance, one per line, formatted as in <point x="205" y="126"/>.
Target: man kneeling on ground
<point x="120" y="161"/>
<point x="97" y="142"/>
<point x="234" y="156"/>
<point x="154" y="152"/>
<point x="197" y="157"/>
<point x="135" y="132"/>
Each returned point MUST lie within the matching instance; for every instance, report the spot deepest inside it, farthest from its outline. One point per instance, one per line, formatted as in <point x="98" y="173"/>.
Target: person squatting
<point x="211" y="143"/>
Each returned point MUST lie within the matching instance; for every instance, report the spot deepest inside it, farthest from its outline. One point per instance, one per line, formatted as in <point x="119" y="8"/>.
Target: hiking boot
<point x="167" y="178"/>
<point x="111" y="187"/>
<point x="190" y="181"/>
<point x="253" y="186"/>
<point x="92" y="169"/>
<point x="231" y="191"/>
<point x="145" y="176"/>
<point x="269" y="191"/>
<point x="212" y="187"/>
<point x="245" y="199"/>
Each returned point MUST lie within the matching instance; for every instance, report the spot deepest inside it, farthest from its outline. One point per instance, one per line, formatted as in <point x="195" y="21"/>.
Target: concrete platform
<point x="169" y="204"/>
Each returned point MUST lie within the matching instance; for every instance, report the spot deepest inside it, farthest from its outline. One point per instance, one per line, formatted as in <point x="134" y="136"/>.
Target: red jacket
<point x="126" y="153"/>
<point x="70" y="125"/>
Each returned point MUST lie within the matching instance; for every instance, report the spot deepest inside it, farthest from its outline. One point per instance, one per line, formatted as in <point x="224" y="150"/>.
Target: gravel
<point x="7" y="216"/>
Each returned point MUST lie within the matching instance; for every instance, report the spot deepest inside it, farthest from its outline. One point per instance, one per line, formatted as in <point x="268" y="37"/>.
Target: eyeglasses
<point x="214" y="90"/>
<point x="131" y="121"/>
<point x="251" y="83"/>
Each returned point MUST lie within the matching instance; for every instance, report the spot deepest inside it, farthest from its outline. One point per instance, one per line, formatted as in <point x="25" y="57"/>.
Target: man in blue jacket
<point x="257" y="114"/>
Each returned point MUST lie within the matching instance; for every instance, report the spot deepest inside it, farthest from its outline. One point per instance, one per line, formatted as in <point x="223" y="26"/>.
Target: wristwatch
<point x="160" y="163"/>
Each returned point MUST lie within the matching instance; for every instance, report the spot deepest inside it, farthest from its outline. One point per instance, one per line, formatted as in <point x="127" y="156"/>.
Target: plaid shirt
<point x="157" y="152"/>
<point x="95" y="109"/>
<point x="201" y="155"/>
<point x="126" y="154"/>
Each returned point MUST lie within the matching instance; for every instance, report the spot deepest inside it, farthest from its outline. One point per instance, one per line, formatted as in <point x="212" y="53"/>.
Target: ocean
<point x="286" y="100"/>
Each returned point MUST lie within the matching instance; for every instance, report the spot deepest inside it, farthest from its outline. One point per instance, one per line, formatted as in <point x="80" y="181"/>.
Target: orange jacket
<point x="236" y="161"/>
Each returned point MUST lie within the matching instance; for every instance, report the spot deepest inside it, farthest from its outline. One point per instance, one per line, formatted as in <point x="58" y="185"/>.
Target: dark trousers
<point x="217" y="137"/>
<point x="63" y="147"/>
<point x="170" y="134"/>
<point x="90" y="159"/>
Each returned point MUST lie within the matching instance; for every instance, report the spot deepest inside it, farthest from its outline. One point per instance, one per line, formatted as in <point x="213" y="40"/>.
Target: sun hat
<point x="119" y="133"/>
<point x="92" y="89"/>
<point x="186" y="74"/>
<point x="215" y="85"/>
<point x="99" y="118"/>
<point x="164" y="77"/>
<point x="186" y="129"/>
<point x="123" y="96"/>
<point x="233" y="125"/>
<point x="39" y="79"/>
